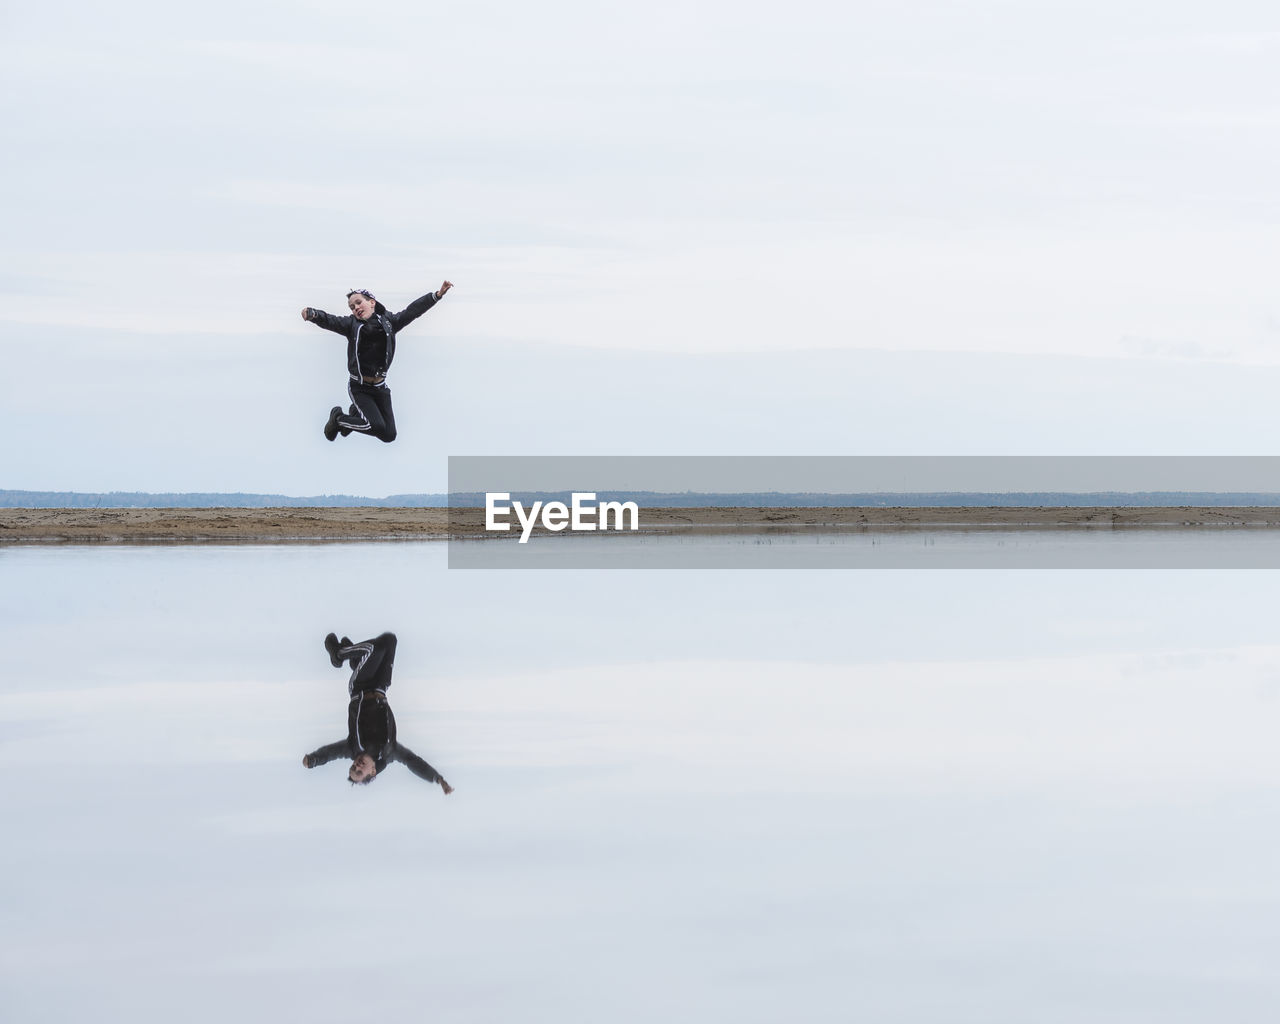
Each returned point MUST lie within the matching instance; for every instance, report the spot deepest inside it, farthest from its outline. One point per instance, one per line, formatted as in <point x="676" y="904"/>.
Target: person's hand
<point x="444" y="288"/>
<point x="307" y="762"/>
<point x="446" y="787"/>
<point x="304" y="314"/>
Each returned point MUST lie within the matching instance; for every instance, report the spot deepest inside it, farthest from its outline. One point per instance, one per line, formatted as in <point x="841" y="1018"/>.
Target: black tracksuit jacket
<point x="371" y="729"/>
<point x="371" y="344"/>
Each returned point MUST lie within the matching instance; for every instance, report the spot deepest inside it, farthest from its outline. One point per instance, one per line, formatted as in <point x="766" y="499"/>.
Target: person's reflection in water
<point x="371" y="727"/>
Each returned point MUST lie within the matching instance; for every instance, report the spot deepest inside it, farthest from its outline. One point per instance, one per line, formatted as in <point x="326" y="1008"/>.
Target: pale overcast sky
<point x="1010" y="227"/>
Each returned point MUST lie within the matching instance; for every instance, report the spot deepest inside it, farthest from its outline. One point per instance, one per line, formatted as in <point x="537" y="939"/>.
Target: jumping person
<point x="371" y="345"/>
<point x="371" y="727"/>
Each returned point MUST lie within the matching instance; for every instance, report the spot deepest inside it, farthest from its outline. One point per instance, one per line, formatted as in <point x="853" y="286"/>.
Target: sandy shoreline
<point x="306" y="525"/>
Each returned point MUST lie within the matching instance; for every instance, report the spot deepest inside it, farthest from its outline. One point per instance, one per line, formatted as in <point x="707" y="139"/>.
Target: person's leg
<point x="367" y="415"/>
<point x="388" y="432"/>
<point x="371" y="661"/>
<point x="379" y="675"/>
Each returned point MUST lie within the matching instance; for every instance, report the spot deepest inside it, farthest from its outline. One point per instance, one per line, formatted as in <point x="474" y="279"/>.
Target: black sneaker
<point x="331" y="428"/>
<point x="353" y="412"/>
<point x="331" y="645"/>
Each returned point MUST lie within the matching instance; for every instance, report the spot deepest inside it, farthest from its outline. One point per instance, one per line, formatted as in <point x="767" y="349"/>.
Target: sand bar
<point x="308" y="525"/>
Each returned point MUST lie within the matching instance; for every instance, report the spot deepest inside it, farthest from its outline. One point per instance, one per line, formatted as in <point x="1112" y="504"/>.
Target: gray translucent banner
<point x="864" y="512"/>
<point x="866" y="474"/>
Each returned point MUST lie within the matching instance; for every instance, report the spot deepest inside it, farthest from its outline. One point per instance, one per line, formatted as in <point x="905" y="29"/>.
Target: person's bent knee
<point x="386" y="436"/>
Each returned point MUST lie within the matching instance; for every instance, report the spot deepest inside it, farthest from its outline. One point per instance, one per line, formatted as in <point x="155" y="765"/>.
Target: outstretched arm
<point x="327" y="753"/>
<point x="337" y="324"/>
<point x="417" y="307"/>
<point x="419" y="767"/>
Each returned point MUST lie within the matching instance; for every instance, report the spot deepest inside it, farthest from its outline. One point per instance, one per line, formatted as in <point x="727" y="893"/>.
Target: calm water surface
<point x="885" y="548"/>
<point x="753" y="796"/>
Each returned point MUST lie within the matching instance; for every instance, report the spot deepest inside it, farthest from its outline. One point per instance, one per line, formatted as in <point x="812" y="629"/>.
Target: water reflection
<point x="371" y="727"/>
<point x="913" y="796"/>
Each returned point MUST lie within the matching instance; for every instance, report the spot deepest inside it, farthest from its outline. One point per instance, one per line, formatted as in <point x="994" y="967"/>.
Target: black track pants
<point x="373" y="411"/>
<point x="371" y="663"/>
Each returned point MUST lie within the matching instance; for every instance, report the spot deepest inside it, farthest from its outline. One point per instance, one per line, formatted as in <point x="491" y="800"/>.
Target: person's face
<point x="360" y="306"/>
<point x="362" y="768"/>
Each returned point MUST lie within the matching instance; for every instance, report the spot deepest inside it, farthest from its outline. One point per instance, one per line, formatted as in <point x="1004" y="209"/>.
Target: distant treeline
<point x="647" y="499"/>
<point x="143" y="499"/>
